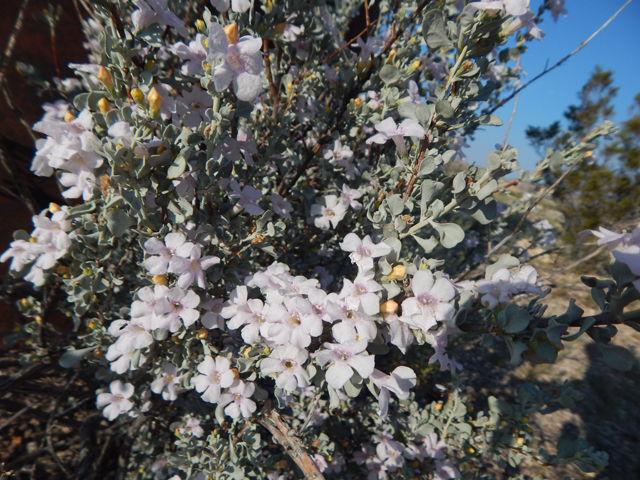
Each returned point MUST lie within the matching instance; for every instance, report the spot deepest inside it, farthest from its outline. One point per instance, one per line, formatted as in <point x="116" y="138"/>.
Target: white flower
<point x="191" y="106"/>
<point x="215" y="375"/>
<point x="167" y="383"/>
<point x="132" y="335"/>
<point x="21" y="253"/>
<point x="344" y="359"/>
<point x="400" y="382"/>
<point x="526" y="20"/>
<point x="512" y="7"/>
<point x="116" y="403"/>
<point x="280" y="206"/>
<point x="176" y="306"/>
<point x="287" y="361"/>
<point x="252" y="314"/>
<point x="162" y="254"/>
<point x="293" y="323"/>
<point x="212" y="319"/>
<point x="328" y="212"/>
<point x="350" y="196"/>
<point x="340" y="156"/>
<point x="361" y="293"/>
<point x="364" y="251"/>
<point x="557" y="9"/>
<point x="237" y="400"/>
<point x="388" y="130"/>
<point x="430" y="304"/>
<point x="413" y="93"/>
<point x="192" y="427"/>
<point x="240" y="62"/>
<point x="192" y="269"/>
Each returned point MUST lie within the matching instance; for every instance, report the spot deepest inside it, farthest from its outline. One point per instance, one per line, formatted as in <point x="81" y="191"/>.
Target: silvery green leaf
<point x="80" y="101"/>
<point x="621" y="273"/>
<point x="113" y="116"/>
<point x="436" y="208"/>
<point x="516" y="318"/>
<point x="494" y="162"/>
<point x="516" y="349"/>
<point x="484" y="212"/>
<point x="429" y="189"/>
<point x="118" y="222"/>
<point x="444" y="109"/>
<point x="427" y="244"/>
<point x="451" y="234"/>
<point x="487" y="190"/>
<point x="505" y="261"/>
<point x="500" y="407"/>
<point x="617" y="357"/>
<point x="424" y="113"/>
<point x="566" y="448"/>
<point x="459" y="182"/>
<point x="390" y="74"/>
<point x="434" y="29"/>
<point x="556" y="161"/>
<point x="546" y="351"/>
<point x="407" y="110"/>
<point x="427" y="166"/>
<point x="334" y="400"/>
<point x="177" y="168"/>
<point x="395" y="204"/>
<point x="72" y="358"/>
<point x="490" y="120"/>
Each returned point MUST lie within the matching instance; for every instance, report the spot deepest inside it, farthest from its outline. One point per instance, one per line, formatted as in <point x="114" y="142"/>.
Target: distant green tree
<point x="604" y="189"/>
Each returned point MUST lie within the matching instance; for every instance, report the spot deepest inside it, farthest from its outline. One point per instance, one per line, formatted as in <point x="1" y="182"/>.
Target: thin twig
<point x="595" y="253"/>
<point x="272" y="86"/>
<point x="11" y="43"/>
<point x="536" y="202"/>
<point x="547" y="70"/>
<point x="16" y="415"/>
<point x="346" y="44"/>
<point x="513" y="114"/>
<point x="397" y="34"/>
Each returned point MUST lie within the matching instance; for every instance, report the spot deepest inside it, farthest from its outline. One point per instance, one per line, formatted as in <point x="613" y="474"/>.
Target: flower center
<point x="288" y="364"/>
<point x="237" y="397"/>
<point x="329" y="213"/>
<point x="215" y="377"/>
<point x="294" y="320"/>
<point x="177" y="306"/>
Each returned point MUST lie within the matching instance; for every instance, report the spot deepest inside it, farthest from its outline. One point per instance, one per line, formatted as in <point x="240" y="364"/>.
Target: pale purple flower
<point x="328" y="212"/>
<point x="431" y="301"/>
<point x="293" y="322"/>
<point x="399" y="332"/>
<point x="344" y="358"/>
<point x="156" y="11"/>
<point x="246" y="198"/>
<point x="339" y="155"/>
<point x="21" y="253"/>
<point x="353" y="325"/>
<point x="433" y="446"/>
<point x="364" y="251"/>
<point x="252" y="317"/>
<point x="214" y="376"/>
<point x="178" y="308"/>
<point x="388" y="130"/>
<point x="238" y="148"/>
<point x="368" y="48"/>
<point x="122" y="363"/>
<point x="211" y="317"/>
<point x="413" y="93"/>
<point x="192" y="427"/>
<point x="288" y="362"/>
<point x="361" y="293"/>
<point x="445" y="470"/>
<point x="350" y="196"/>
<point x="167" y="383"/>
<point x="241" y="62"/>
<point x="400" y="382"/>
<point x="525" y="21"/>
<point x="374" y="100"/>
<point x="237" y="400"/>
<point x="132" y="335"/>
<point x="117" y="402"/>
<point x="192" y="269"/>
<point x="237" y="299"/>
<point x="498" y="289"/>
<point x="193" y="54"/>
<point x="280" y="206"/>
<point x="162" y="254"/>
<point x="191" y="106"/>
<point x="557" y="9"/>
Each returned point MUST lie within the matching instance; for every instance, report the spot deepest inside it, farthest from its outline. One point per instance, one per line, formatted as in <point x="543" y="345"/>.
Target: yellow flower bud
<point x="25" y="303"/>
<point x="97" y="353"/>
<point x="149" y="64"/>
<point x="438" y="407"/>
<point x="137" y="95"/>
<point x="201" y="26"/>
<point x="415" y="464"/>
<point x="207" y="68"/>
<point x="289" y="87"/>
<point x="92" y="324"/>
<point x="160" y="280"/>
<point x="520" y="441"/>
<point x="103" y="105"/>
<point x="327" y="109"/>
<point x="525" y="420"/>
<point x="281" y="463"/>
<point x="176" y="339"/>
<point x="155" y="100"/>
<point x="470" y="450"/>
<point x="392" y="54"/>
<point x="413" y="66"/>
<point x="361" y="66"/>
<point x="232" y="32"/>
<point x="389" y="306"/>
<point x="247" y="352"/>
<point x="397" y="272"/>
<point x="69" y="117"/>
<point x="268" y="6"/>
<point x="54" y="207"/>
<point x="280" y="28"/>
<point x="33" y="240"/>
<point x="358" y="102"/>
<point x="205" y="43"/>
<point x="87" y="271"/>
<point x="61" y="269"/>
<point x="202" y="333"/>
<point x="105" y="77"/>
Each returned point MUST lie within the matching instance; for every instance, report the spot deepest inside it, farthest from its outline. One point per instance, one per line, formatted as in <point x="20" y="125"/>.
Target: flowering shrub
<point x="269" y="219"/>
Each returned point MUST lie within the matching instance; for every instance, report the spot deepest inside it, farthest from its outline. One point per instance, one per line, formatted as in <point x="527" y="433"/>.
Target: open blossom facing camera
<point x="235" y="59"/>
<point x="388" y="130"/>
<point x="117" y="402"/>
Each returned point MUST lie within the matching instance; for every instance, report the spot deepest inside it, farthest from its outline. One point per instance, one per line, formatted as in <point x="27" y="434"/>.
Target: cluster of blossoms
<point x="387" y="455"/>
<point x="49" y="241"/>
<point x="503" y="285"/>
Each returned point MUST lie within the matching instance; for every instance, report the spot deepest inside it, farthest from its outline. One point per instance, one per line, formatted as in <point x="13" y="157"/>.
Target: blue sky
<point x="616" y="48"/>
